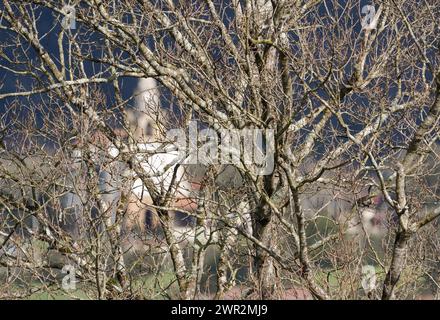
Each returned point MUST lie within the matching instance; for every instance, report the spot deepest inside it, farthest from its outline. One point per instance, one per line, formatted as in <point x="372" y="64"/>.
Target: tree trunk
<point x="176" y="253"/>
<point x="227" y="244"/>
<point x="263" y="263"/>
<point x="397" y="264"/>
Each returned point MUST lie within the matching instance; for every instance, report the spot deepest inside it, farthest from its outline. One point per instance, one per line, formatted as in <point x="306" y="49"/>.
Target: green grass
<point x="59" y="294"/>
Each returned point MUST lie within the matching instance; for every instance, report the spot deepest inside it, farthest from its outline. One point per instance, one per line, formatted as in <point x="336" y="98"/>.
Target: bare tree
<point x="328" y="117"/>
